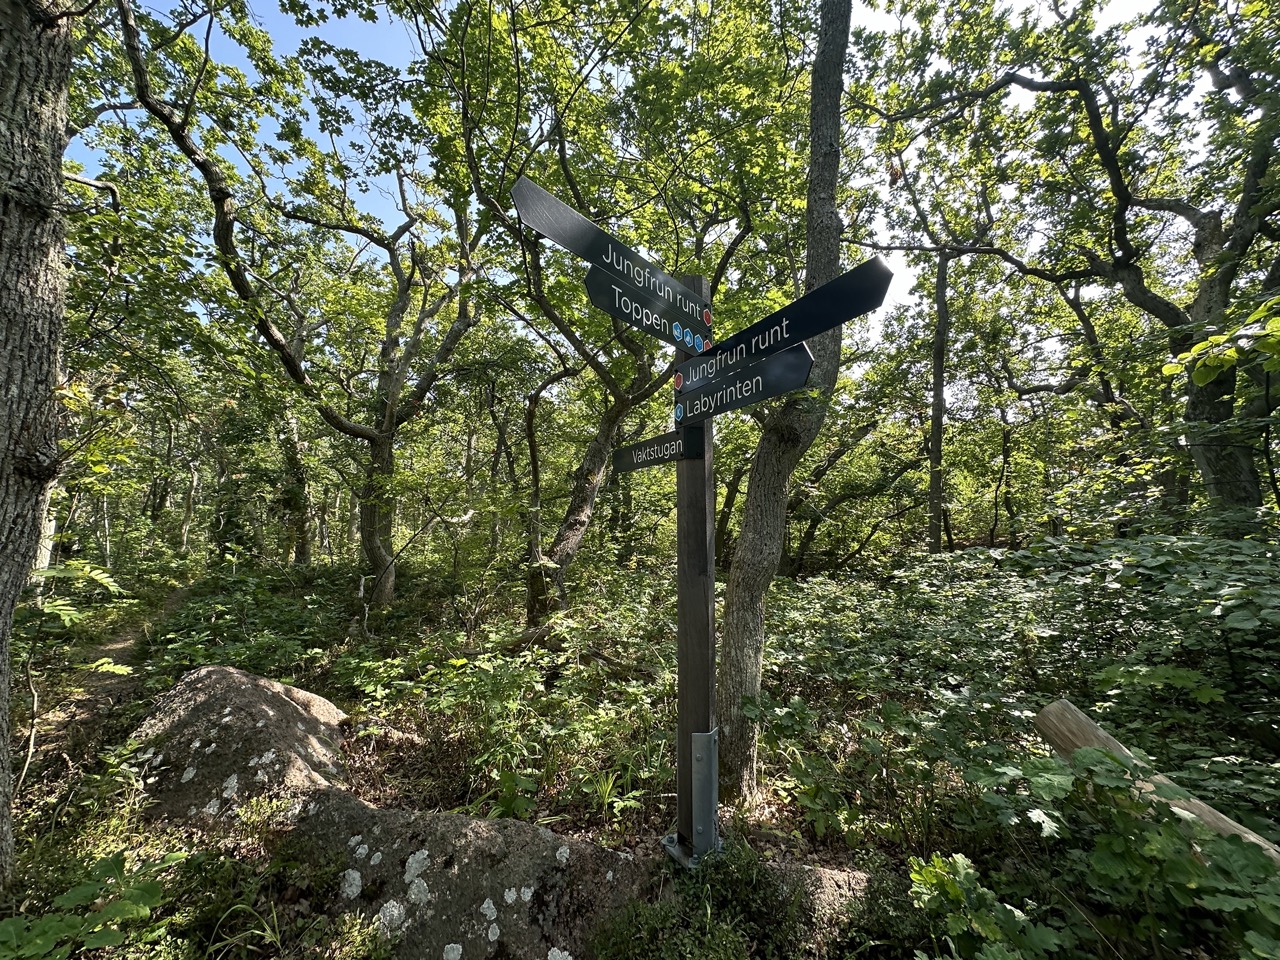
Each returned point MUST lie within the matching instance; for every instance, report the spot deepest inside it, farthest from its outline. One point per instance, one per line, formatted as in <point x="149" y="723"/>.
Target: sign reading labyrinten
<point x="652" y="314"/>
<point x="850" y="295"/>
<point x="649" y="453"/>
<point x="561" y="223"/>
<point x="772" y="376"/>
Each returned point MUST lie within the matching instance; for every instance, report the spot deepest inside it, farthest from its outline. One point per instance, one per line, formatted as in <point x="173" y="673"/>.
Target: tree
<point x="611" y="115"/>
<point x="35" y="50"/>
<point x="1086" y="163"/>
<point x="427" y="311"/>
<point x="789" y="428"/>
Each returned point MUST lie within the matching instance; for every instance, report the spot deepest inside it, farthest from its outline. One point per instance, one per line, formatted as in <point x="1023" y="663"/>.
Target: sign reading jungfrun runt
<point x="771" y="377"/>
<point x="850" y="295"/>
<point x="561" y="223"/>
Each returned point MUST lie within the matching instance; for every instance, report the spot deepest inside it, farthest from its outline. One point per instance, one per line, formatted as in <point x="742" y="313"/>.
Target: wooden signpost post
<point x="766" y="360"/>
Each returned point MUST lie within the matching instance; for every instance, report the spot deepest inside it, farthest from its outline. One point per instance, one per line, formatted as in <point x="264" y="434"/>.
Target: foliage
<point x="1142" y="879"/>
<point x="1108" y="193"/>
<point x="114" y="907"/>
<point x="1257" y="338"/>
<point x="733" y="906"/>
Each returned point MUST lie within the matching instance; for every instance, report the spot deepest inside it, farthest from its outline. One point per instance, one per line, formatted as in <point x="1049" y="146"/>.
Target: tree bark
<point x="35" y="49"/>
<point x="941" y="339"/>
<point x="1223" y="450"/>
<point x="788" y="431"/>
<point x="377" y="514"/>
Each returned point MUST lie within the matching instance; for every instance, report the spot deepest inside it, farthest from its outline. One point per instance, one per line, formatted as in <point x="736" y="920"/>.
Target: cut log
<point x="1067" y="729"/>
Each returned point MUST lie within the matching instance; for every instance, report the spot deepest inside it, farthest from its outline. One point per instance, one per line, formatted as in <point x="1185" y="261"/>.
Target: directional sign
<point x="561" y="223"/>
<point x="652" y="314"/>
<point x="774" y="375"/>
<point x="859" y="291"/>
<point x="649" y="453"/>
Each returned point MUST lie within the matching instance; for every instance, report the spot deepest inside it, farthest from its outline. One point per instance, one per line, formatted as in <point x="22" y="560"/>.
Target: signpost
<point x="766" y="360"/>
<point x="559" y="222"/>
<point x="652" y="314"/>
<point x="775" y="375"/>
<point x="850" y="295"/>
<point x="649" y="453"/>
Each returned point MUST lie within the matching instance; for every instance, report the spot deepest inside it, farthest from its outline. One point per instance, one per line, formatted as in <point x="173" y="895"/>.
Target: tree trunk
<point x="297" y="496"/>
<point x="48" y="539"/>
<point x="941" y="338"/>
<point x="546" y="582"/>
<point x="732" y="488"/>
<point x="322" y="524"/>
<point x="1223" y="453"/>
<point x="788" y="431"/>
<point x="377" y="513"/>
<point x="36" y="53"/>
<point x="351" y="542"/>
<point x="189" y="509"/>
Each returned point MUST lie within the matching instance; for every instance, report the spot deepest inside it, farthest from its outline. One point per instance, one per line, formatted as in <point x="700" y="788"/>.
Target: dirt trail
<point x="74" y="714"/>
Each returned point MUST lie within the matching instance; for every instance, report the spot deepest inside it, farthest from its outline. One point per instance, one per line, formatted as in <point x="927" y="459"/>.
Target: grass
<point x="895" y="726"/>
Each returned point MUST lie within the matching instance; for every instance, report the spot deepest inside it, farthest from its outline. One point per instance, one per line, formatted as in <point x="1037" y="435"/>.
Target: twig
<point x="35" y="708"/>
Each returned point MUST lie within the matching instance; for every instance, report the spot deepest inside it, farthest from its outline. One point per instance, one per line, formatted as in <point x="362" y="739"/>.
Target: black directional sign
<point x="652" y="314"/>
<point x="561" y="223"/>
<point x="649" y="453"/>
<point x="774" y="375"/>
<point x="859" y="291"/>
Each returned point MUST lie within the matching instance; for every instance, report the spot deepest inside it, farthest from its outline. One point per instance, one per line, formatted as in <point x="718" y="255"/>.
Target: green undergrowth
<point x="897" y="716"/>
<point x="896" y="735"/>
<point x="732" y="906"/>
<point x="93" y="875"/>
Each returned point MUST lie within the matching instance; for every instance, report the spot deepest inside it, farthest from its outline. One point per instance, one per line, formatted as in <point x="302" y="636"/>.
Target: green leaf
<point x="80" y="895"/>
<point x="120" y="910"/>
<point x="1205" y="374"/>
<point x="106" y="937"/>
<point x="1242" y="620"/>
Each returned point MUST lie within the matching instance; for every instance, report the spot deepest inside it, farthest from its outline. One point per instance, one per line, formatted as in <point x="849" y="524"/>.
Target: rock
<point x="829" y="895"/>
<point x="439" y="885"/>
<point x="221" y="736"/>
<point x="442" y="883"/>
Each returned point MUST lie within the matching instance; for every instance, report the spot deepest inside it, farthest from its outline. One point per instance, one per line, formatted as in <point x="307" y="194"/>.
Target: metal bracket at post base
<point x="705" y="784"/>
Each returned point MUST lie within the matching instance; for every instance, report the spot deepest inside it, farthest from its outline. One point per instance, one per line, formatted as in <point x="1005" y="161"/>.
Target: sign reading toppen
<point x="850" y="295"/>
<point x="559" y="222"/>
<point x="649" y="453"/>
<point x="777" y="374"/>
<point x="654" y="315"/>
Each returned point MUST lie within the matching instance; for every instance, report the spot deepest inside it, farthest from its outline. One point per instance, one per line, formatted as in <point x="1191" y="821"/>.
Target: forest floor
<point x="895" y="738"/>
<point x="81" y="704"/>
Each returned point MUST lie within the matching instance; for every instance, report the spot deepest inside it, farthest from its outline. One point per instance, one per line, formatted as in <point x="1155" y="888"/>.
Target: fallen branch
<point x="1067" y="729"/>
